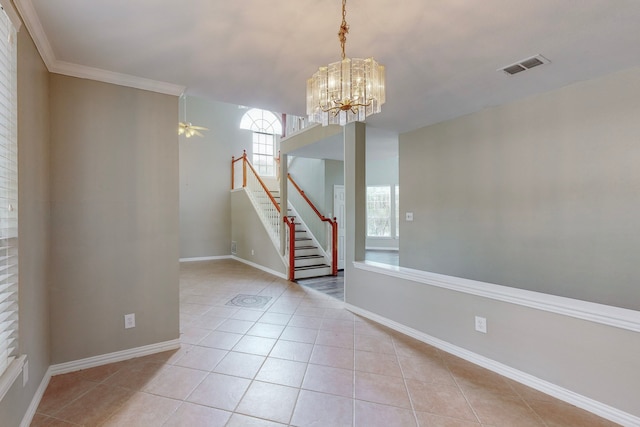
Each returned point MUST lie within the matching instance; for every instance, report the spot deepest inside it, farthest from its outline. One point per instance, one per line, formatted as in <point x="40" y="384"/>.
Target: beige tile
<point x="310" y="312"/>
<point x="101" y="373"/>
<point x="502" y="409"/>
<point x="235" y="326"/>
<point x="63" y="389"/>
<point x="134" y="375"/>
<point x="193" y="335"/>
<point x="220" y="391"/>
<point x="374" y="344"/>
<point x="202" y="358"/>
<point x="46" y="421"/>
<point x="560" y="414"/>
<point x="239" y="420"/>
<point x="222" y="311"/>
<point x="337" y="325"/>
<point x="221" y="340"/>
<point x="326" y="379"/>
<point x="283" y="372"/>
<point x="269" y="401"/>
<point x="381" y="389"/>
<point x="191" y="415"/>
<point x="472" y="377"/>
<point x="175" y="382"/>
<point x="290" y="350"/>
<point x="247" y="314"/>
<point x="337" y="357"/>
<point x="143" y="409"/>
<point x="292" y="333"/>
<point x="339" y="313"/>
<point x="431" y="420"/>
<point x="95" y="406"/>
<point x="426" y="370"/>
<point x="275" y="318"/>
<point x="322" y="410"/>
<point x="255" y="345"/>
<point x="528" y="393"/>
<point x="305" y="322"/>
<point x="240" y="364"/>
<point x="369" y="414"/>
<point x="266" y="330"/>
<point x="440" y="399"/>
<point x="335" y="339"/>
<point x="206" y="322"/>
<point x="377" y="363"/>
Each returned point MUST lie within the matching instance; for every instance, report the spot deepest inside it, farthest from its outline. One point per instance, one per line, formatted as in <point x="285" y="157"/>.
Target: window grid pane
<point x="8" y="195"/>
<point x="379" y="211"/>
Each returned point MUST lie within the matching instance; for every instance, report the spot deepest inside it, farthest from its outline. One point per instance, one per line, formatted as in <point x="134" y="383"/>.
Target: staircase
<point x="309" y="259"/>
<point x="303" y="254"/>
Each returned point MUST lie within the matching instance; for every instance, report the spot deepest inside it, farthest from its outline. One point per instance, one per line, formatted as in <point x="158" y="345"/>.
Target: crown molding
<point x="34" y="26"/>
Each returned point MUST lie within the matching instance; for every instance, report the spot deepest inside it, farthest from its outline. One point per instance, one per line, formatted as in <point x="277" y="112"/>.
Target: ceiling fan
<point x="187" y="128"/>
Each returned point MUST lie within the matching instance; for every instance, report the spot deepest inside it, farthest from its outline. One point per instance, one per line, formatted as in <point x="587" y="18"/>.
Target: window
<point x="379" y="211"/>
<point x="265" y="125"/>
<point x="383" y="211"/>
<point x="8" y="195"/>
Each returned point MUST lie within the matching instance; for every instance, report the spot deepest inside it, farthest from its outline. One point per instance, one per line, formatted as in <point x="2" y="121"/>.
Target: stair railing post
<point x="292" y="247"/>
<point x="244" y="168"/>
<point x="334" y="246"/>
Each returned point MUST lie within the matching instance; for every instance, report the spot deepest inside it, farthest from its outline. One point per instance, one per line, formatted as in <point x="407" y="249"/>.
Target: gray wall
<point x="205" y="176"/>
<point x="114" y="217"/>
<point x="542" y="194"/>
<point x="333" y="175"/>
<point x="309" y="174"/>
<point x="33" y="209"/>
<point x="591" y="359"/>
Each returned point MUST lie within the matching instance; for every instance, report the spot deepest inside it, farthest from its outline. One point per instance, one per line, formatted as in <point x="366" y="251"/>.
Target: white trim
<point x="586" y="403"/>
<point x="260" y="267"/>
<point x="92" y="362"/>
<point x="85" y="72"/>
<point x="35" y="401"/>
<point x="8" y="377"/>
<point x="118" y="356"/>
<point x="599" y="313"/>
<point x="205" y="258"/>
<point x="33" y="24"/>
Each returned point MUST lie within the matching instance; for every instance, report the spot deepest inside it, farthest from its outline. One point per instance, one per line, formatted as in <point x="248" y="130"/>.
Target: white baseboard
<point x="556" y="391"/>
<point x="205" y="258"/>
<point x="92" y="362"/>
<point x="260" y="267"/>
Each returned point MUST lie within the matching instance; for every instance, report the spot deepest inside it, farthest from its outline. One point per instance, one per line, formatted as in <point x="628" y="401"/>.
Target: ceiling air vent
<point x="524" y="65"/>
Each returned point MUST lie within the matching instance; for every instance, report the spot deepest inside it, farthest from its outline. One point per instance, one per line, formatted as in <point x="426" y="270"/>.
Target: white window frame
<point x="265" y="126"/>
<point x="11" y="363"/>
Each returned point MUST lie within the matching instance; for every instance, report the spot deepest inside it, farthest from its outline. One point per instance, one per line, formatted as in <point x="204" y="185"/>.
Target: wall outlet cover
<point x="129" y="321"/>
<point x="481" y="324"/>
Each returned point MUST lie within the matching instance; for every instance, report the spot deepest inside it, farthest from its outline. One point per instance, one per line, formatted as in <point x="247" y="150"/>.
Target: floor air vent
<point x="524" y="65"/>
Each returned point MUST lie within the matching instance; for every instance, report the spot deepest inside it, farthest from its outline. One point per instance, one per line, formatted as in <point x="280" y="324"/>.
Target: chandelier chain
<point x="344" y="28"/>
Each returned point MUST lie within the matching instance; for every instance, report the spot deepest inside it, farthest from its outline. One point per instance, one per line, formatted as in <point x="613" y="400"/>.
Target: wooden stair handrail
<point x="333" y="222"/>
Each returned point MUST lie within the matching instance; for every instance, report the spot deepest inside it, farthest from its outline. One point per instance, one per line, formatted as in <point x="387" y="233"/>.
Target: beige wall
<point x="542" y="194"/>
<point x="33" y="208"/>
<point x="205" y="176"/>
<point x="114" y="219"/>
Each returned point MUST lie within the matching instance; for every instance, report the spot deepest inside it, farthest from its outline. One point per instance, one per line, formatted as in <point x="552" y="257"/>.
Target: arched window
<point x="265" y="125"/>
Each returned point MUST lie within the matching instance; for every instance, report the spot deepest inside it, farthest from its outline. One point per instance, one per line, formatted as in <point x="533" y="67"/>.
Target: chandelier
<point x="345" y="91"/>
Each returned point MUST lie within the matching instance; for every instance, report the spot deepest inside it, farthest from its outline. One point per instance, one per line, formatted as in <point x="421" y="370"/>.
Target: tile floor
<point x="301" y="360"/>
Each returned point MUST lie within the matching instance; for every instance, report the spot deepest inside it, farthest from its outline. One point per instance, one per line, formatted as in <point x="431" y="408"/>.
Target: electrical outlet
<point x="481" y="324"/>
<point x="408" y="216"/>
<point x="252" y="252"/>
<point x="25" y="373"/>
<point x="129" y="320"/>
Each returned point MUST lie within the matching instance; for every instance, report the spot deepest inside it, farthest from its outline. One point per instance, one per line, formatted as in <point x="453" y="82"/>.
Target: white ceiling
<point x="441" y="55"/>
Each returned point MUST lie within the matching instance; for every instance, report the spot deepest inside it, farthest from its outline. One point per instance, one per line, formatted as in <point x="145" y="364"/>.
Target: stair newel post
<point x="334" y="246"/>
<point x="244" y="168"/>
<point x="292" y="247"/>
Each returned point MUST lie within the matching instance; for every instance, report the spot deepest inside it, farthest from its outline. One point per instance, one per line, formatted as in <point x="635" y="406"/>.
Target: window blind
<point x="8" y="194"/>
